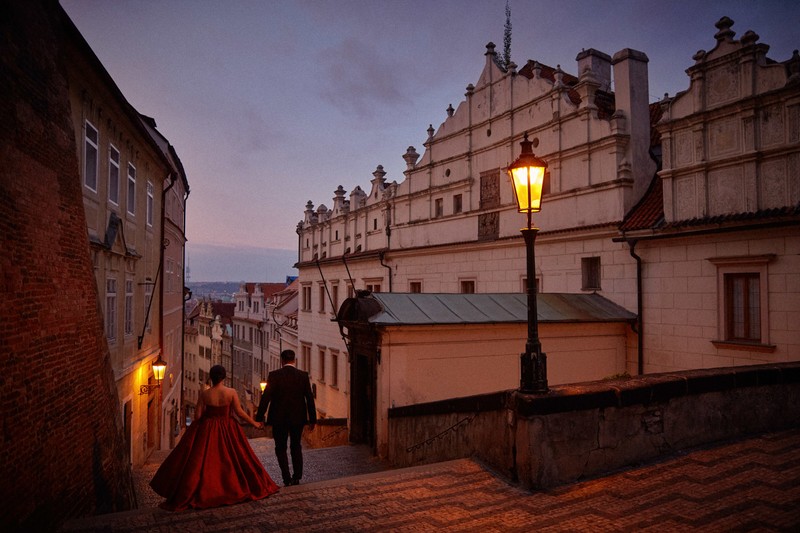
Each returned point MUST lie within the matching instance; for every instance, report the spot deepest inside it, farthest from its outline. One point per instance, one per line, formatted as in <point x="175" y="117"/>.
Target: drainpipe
<point x="639" y="329"/>
<point x="164" y="243"/>
<point x="183" y="316"/>
<point x="389" y="268"/>
<point x="388" y="231"/>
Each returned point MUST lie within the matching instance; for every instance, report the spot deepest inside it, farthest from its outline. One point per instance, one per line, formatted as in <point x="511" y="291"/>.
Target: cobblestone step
<point x="748" y="485"/>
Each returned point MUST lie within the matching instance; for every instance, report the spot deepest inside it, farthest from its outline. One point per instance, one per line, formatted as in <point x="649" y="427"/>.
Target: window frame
<point x="111" y="308"/>
<point x="334" y="379"/>
<point x="742" y="265"/>
<point x="591" y="273"/>
<point x="467" y="283"/>
<point x="95" y="145"/>
<point x="150" y="203"/>
<point x="438" y="208"/>
<point x="130" y="199"/>
<point x="129" y="306"/>
<point x="113" y="165"/>
<point x="458" y="204"/>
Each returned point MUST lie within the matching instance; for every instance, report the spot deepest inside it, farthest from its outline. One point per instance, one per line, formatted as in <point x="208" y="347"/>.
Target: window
<point x="321" y="298"/>
<point x="128" y="307"/>
<point x="351" y="291"/>
<point x="113" y="175"/>
<point x="335" y="297"/>
<point x="306" y="302"/>
<point x="438" y="207"/>
<point x="743" y="304"/>
<point x="322" y="365"/>
<point x="742" y="307"/>
<point x="131" y="189"/>
<point x="255" y="307"/>
<point x="590" y="273"/>
<point x="149" y="203"/>
<point x="305" y="358"/>
<point x="467" y="286"/>
<point x="111" y="308"/>
<point x="457" y="206"/>
<point x="336" y="238"/>
<point x="148" y="296"/>
<point x="415" y="286"/>
<point x="90" y="157"/>
<point x="374" y="287"/>
<point x="374" y="223"/>
<point x="334" y="380"/>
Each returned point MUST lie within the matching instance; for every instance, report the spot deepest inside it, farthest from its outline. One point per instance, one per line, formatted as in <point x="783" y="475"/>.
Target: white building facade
<point x="451" y="225"/>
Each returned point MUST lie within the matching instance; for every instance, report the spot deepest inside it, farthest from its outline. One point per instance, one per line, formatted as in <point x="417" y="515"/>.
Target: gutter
<point x="639" y="327"/>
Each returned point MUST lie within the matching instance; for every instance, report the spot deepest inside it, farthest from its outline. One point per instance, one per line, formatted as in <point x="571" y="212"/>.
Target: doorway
<point x="363" y="380"/>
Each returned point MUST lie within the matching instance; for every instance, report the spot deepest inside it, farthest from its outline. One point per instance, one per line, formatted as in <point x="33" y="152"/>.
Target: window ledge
<point x="747" y="346"/>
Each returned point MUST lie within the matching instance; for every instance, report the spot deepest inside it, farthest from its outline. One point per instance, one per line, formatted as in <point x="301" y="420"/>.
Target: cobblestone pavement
<point x="747" y="485"/>
<point x="319" y="464"/>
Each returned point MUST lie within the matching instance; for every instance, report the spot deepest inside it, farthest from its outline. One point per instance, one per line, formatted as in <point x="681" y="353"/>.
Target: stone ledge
<point x="639" y="390"/>
<point x="653" y="388"/>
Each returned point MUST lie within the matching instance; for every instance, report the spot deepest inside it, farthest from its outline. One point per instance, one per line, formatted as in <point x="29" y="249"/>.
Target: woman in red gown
<point x="213" y="464"/>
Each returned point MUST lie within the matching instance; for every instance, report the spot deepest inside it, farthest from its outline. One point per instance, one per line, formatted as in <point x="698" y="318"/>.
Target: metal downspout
<point x="183" y="316"/>
<point x="639" y="307"/>
<point x="387" y="267"/>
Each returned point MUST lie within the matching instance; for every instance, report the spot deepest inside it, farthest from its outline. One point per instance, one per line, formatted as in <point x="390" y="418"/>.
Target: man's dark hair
<point x="287" y="356"/>
<point x="217" y="373"/>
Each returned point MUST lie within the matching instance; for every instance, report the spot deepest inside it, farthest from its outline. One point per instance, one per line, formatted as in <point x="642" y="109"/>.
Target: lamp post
<point x="527" y="175"/>
<point x="261" y="337"/>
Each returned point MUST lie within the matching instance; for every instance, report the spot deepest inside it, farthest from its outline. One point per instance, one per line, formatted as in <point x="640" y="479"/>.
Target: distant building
<point x="250" y="339"/>
<point x="282" y="309"/>
<point x="702" y="252"/>
<point x="128" y="171"/>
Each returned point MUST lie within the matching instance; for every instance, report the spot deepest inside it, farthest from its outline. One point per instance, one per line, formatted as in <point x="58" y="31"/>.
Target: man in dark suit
<point x="292" y="407"/>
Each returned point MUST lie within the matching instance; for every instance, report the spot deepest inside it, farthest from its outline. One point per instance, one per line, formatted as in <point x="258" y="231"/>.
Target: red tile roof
<point x="649" y="211"/>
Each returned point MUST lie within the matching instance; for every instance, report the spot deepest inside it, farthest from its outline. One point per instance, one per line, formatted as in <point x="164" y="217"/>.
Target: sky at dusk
<point x="270" y="104"/>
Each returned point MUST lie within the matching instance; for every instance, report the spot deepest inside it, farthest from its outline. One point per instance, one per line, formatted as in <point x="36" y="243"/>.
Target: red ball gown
<point x="212" y="465"/>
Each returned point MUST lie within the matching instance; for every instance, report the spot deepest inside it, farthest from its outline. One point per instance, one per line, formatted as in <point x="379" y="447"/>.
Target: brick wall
<point x="62" y="452"/>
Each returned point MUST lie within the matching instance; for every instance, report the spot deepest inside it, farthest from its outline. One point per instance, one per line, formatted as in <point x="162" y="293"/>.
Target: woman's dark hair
<point x="217" y="374"/>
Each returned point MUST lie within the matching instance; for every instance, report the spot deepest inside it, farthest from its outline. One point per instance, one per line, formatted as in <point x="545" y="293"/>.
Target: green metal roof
<point x="429" y="309"/>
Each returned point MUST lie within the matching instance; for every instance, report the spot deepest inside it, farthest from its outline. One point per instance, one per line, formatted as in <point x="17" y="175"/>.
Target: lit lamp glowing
<point x="263" y="385"/>
<point x="159" y="368"/>
<point x="527" y="174"/>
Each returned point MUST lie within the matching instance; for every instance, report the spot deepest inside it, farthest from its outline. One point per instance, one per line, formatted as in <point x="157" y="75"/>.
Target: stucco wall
<point x="682" y="300"/>
<point x="430" y="363"/>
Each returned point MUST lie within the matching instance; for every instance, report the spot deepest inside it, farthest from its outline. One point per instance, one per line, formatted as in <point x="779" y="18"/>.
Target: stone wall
<point x="581" y="431"/>
<point x="62" y="454"/>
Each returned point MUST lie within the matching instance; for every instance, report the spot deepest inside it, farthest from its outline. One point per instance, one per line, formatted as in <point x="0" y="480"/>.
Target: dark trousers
<point x="292" y="433"/>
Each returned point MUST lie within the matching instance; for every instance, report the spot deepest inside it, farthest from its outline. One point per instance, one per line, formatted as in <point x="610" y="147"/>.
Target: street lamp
<point x="527" y="175"/>
<point x="159" y="368"/>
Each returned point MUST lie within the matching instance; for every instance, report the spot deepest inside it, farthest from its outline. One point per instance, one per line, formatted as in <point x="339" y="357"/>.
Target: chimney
<point x="599" y="64"/>
<point x="631" y="91"/>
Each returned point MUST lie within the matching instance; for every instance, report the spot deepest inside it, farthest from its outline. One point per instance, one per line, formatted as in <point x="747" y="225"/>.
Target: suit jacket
<point x="288" y="397"/>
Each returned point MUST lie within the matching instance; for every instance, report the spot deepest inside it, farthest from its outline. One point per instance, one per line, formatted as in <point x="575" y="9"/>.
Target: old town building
<point x="699" y="244"/>
<point x="129" y="172"/>
<point x="250" y="340"/>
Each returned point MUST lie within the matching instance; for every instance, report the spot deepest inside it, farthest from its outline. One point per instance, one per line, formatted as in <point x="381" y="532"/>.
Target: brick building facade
<point x="63" y="451"/>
